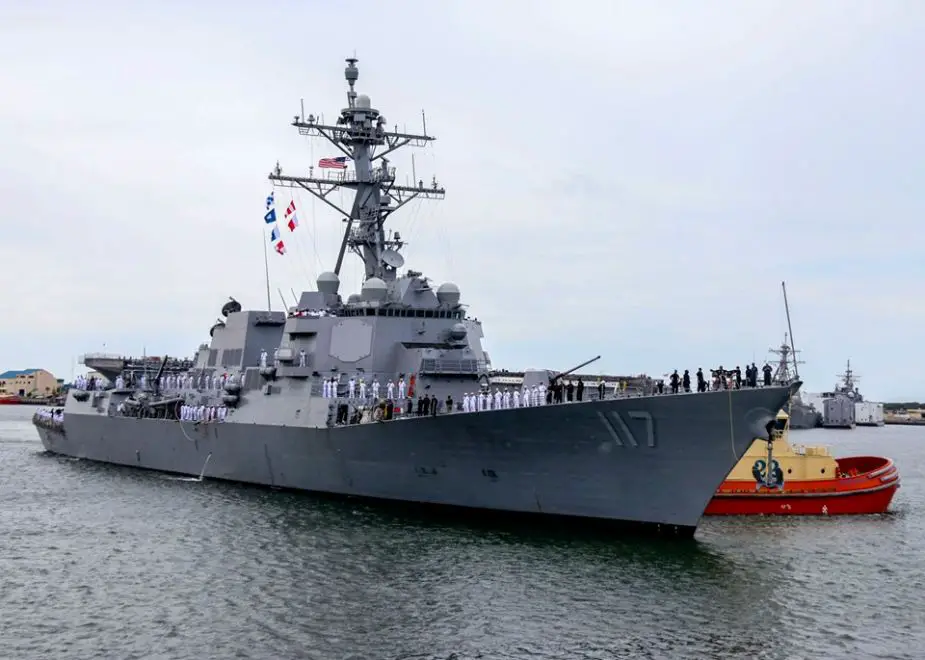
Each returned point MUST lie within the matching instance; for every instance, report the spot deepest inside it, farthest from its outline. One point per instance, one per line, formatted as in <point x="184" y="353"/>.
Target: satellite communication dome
<point x="354" y="298"/>
<point x="363" y="102"/>
<point x="328" y="282"/>
<point x="458" y="332"/>
<point x="374" y="289"/>
<point x="448" y="293"/>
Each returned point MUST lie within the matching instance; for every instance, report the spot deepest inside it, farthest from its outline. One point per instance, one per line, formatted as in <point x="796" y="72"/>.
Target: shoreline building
<point x="36" y="383"/>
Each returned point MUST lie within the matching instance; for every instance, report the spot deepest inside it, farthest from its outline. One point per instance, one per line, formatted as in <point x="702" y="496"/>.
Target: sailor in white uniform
<point x="390" y="390"/>
<point x="275" y="357"/>
<point x="302" y="358"/>
<point x="376" y="389"/>
<point x="515" y="399"/>
<point x="351" y="388"/>
<point x="542" y="394"/>
<point x="486" y="401"/>
<point x="401" y="388"/>
<point x="222" y="412"/>
<point x="263" y="358"/>
<point x="506" y="402"/>
<point x="363" y="389"/>
<point x="498" y="399"/>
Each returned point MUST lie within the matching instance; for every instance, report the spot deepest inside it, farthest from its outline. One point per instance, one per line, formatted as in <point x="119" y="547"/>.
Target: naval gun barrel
<point x="160" y="372"/>
<point x="573" y="369"/>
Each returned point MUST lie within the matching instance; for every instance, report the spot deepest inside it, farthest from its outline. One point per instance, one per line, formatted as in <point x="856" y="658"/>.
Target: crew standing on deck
<point x="767" y="374"/>
<point x="686" y="380"/>
<point x="674" y="379"/>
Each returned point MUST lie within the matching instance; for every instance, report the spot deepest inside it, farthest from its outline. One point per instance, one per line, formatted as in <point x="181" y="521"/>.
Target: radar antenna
<point x="783" y="375"/>
<point x="360" y="135"/>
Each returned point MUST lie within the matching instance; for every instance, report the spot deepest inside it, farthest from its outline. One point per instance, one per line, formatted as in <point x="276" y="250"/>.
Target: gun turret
<point x="559" y="375"/>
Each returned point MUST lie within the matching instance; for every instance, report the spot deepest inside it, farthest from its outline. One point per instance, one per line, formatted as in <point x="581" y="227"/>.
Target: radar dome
<point x="448" y="293"/>
<point x="328" y="283"/>
<point x="363" y="102"/>
<point x="374" y="289"/>
<point x="354" y="298"/>
<point x="458" y="332"/>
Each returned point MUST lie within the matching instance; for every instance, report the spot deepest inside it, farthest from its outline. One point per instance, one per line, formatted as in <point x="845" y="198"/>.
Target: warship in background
<point x="840" y="406"/>
<point x="802" y="414"/>
<point x="303" y="419"/>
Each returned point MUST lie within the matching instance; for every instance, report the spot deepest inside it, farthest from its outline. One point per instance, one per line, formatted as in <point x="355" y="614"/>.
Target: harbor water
<point x="104" y="562"/>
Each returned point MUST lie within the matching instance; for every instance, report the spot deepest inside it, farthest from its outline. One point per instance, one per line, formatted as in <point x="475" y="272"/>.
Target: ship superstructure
<point x="802" y="414"/>
<point x="839" y="405"/>
<point x="386" y="393"/>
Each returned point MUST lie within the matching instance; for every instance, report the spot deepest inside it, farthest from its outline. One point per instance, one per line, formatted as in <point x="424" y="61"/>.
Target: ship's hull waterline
<point x="655" y="459"/>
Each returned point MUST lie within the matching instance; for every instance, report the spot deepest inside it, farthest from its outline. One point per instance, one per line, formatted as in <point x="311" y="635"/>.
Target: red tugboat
<point x="803" y="481"/>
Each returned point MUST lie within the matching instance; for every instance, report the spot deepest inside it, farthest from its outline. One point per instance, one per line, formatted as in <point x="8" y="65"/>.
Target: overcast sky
<point x="630" y="179"/>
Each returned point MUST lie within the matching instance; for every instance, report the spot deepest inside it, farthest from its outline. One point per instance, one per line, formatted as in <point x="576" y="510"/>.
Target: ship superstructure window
<point x="232" y="357"/>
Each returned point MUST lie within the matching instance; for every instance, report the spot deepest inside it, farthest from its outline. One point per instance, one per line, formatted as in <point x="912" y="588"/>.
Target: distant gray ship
<point x="839" y="409"/>
<point x="803" y="415"/>
<point x="313" y="416"/>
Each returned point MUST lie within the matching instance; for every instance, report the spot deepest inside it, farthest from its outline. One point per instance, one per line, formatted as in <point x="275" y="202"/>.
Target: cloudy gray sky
<point x="623" y="179"/>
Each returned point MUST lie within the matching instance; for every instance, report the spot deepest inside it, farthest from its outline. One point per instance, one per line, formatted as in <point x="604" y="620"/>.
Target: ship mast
<point x="361" y="136"/>
<point x="849" y="380"/>
<point x="787" y="356"/>
<point x="796" y="371"/>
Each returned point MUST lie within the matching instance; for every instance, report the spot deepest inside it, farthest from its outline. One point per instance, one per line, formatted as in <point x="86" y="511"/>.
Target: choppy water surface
<point x="104" y="562"/>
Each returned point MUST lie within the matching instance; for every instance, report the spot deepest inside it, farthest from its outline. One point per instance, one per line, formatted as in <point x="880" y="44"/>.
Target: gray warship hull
<point x="802" y="416"/>
<point x="655" y="459"/>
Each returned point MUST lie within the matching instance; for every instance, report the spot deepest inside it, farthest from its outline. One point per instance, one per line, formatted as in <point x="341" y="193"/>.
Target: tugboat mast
<point x="360" y="131"/>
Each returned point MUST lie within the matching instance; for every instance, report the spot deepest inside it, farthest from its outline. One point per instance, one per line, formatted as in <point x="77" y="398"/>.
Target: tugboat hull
<point x="866" y="485"/>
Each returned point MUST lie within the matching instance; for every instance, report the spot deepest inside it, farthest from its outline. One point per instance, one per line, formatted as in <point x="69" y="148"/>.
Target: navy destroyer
<point x="327" y="396"/>
<point x="803" y="414"/>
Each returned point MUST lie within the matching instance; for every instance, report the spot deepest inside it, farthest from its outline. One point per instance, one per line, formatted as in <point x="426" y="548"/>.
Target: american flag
<point x="339" y="163"/>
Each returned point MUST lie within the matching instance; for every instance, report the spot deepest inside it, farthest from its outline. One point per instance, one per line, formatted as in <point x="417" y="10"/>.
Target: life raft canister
<point x="411" y="386"/>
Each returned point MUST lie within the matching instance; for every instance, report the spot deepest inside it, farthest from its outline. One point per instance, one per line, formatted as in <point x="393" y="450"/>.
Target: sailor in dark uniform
<point x="767" y="374"/>
<point x="738" y="376"/>
<point x="701" y="381"/>
<point x="674" y="379"/>
<point x="581" y="389"/>
<point x="686" y="380"/>
<point x="600" y="390"/>
<point x="570" y="391"/>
